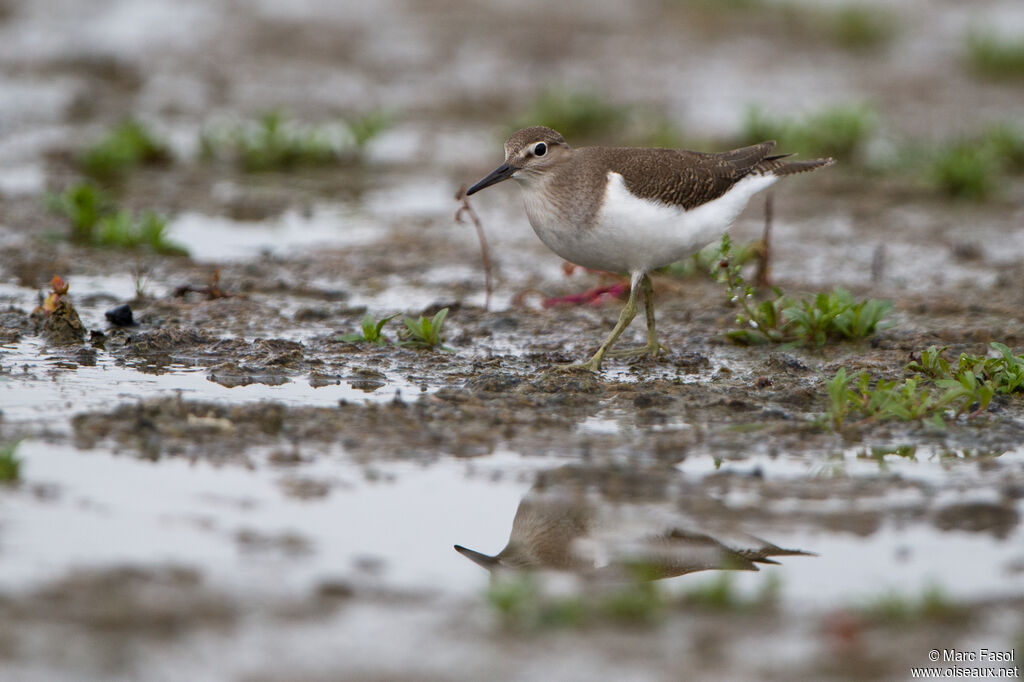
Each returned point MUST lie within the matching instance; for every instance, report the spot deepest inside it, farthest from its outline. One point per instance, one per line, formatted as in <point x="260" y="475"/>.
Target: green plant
<point x="96" y="221"/>
<point x="365" y="128"/>
<point x="964" y="170"/>
<point x="83" y="204"/>
<point x="1005" y="142"/>
<point x="708" y="260"/>
<point x="125" y="146"/>
<point x="371" y="331"/>
<point x="576" y="115"/>
<point x="276" y="143"/>
<point x="424" y="332"/>
<point x="1005" y="372"/>
<point x="721" y="594"/>
<point x="840" y="131"/>
<point x="937" y="390"/>
<point x="522" y="604"/>
<point x="834" y="316"/>
<point x="995" y="57"/>
<point x="970" y="168"/>
<point x="861" y="28"/>
<point x="894" y="608"/>
<point x="908" y="401"/>
<point x="10" y="463"/>
<point x="639" y="601"/>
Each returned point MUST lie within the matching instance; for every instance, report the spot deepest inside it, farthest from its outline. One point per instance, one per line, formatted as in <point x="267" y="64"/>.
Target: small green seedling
<point x="974" y="167"/>
<point x="577" y="115"/>
<point x="10" y="463"/>
<point x="834" y="316"/>
<point x="861" y="28"/>
<point x="721" y="594"/>
<point x="894" y="608"/>
<point x="83" y="204"/>
<point x="937" y="390"/>
<point x="708" y="260"/>
<point x="840" y="131"/>
<point x="1005" y="372"/>
<point x="277" y="143"/>
<point x="97" y="221"/>
<point x="424" y="333"/>
<point x="995" y="57"/>
<point x="126" y="146"/>
<point x="964" y="171"/>
<point x="372" y="331"/>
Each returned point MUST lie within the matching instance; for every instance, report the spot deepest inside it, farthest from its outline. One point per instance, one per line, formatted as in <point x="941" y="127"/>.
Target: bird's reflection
<point x="570" y="525"/>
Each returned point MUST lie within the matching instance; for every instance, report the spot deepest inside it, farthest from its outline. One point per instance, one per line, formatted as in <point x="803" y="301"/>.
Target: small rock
<point x="63" y="327"/>
<point x="121" y="316"/>
<point x="494" y="382"/>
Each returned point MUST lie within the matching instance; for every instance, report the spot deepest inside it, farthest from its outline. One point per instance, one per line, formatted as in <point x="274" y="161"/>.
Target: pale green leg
<point x="625" y="317"/>
<point x="653" y="347"/>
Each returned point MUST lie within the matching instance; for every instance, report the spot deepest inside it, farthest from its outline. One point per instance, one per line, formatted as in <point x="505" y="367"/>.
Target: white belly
<point x="633" y="235"/>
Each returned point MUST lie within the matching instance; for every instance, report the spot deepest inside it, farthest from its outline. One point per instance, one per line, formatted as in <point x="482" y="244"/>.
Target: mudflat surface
<point x="227" y="490"/>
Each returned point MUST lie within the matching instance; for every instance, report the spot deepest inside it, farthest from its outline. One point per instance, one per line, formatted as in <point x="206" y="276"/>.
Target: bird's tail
<point x="776" y="166"/>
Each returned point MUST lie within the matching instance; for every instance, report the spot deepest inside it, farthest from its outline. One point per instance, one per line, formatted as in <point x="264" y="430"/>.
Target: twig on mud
<point x="211" y="290"/>
<point x="764" y="263"/>
<point x="485" y="252"/>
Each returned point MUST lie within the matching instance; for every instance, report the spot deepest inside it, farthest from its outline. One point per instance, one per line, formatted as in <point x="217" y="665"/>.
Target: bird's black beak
<point x="502" y="172"/>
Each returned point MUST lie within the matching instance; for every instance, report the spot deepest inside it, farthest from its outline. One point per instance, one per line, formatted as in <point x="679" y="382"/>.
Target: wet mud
<point x="216" y="485"/>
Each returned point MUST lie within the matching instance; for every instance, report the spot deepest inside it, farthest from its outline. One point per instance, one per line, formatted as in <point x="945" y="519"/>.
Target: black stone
<point x="121" y="316"/>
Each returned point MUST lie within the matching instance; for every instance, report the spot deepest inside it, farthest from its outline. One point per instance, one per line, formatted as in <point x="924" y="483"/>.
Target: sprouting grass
<point x="427" y="333"/>
<point x="1006" y="143"/>
<point x="994" y="57"/>
<point x="936" y="390"/>
<point x="10" y="463"/>
<point x="127" y="145"/>
<point x="721" y="594"/>
<point x="576" y="115"/>
<point x="861" y="28"/>
<point x="276" y="143"/>
<point x="708" y="260"/>
<point x="365" y="128"/>
<point x="964" y="171"/>
<point x="83" y="204"/>
<point x="840" y="131"/>
<point x="972" y="168"/>
<point x="522" y="604"/>
<point x="372" y="331"/>
<point x="826" y="317"/>
<point x="895" y="608"/>
<point x="909" y="400"/>
<point x="1005" y="371"/>
<point x="97" y="221"/>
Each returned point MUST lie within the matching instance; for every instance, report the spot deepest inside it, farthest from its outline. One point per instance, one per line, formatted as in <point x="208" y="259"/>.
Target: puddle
<point x="394" y="524"/>
<point x="241" y="528"/>
<point x="215" y="239"/>
<point x="371" y="495"/>
<point x="68" y="389"/>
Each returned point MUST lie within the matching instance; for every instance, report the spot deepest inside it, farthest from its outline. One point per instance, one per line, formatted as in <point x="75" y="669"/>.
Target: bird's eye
<point x="540" y="149"/>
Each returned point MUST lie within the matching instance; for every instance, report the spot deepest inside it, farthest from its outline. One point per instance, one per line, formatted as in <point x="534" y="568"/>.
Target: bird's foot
<point x="591" y="365"/>
<point x="650" y="350"/>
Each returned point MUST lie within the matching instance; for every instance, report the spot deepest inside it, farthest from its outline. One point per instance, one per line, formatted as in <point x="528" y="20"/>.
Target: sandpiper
<point x="566" y="531"/>
<point x="632" y="210"/>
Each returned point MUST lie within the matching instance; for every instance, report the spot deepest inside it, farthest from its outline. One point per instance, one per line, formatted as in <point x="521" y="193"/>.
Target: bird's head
<point x="529" y="153"/>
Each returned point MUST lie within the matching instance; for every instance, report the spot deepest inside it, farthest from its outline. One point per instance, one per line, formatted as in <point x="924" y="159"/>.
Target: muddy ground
<point x="224" y="489"/>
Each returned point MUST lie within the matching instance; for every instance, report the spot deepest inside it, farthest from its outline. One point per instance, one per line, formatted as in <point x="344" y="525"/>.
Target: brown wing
<point x="684" y="178"/>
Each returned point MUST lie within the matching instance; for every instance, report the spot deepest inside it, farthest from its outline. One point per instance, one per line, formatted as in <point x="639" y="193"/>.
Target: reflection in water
<point x="568" y="528"/>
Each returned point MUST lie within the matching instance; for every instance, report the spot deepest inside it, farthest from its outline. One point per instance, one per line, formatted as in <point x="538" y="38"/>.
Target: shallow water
<point x="328" y="540"/>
